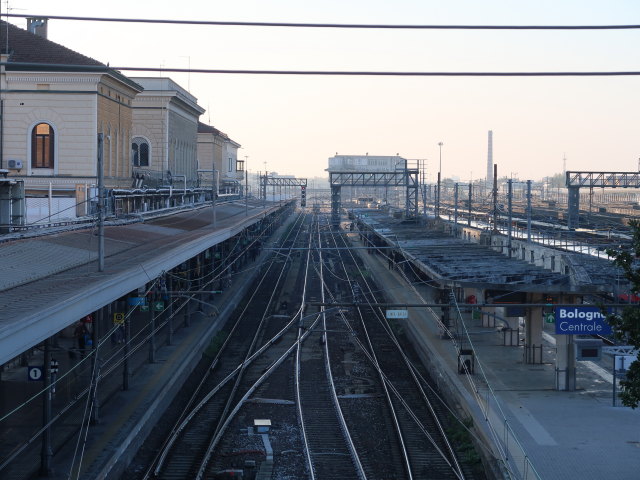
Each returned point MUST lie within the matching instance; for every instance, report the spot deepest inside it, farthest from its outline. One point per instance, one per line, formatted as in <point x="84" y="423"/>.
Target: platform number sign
<point x="35" y="373"/>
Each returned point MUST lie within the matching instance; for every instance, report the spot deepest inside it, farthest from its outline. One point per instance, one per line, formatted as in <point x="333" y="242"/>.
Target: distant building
<point x="234" y="171"/>
<point x="165" y="131"/>
<point x="210" y="142"/>
<point x="51" y="118"/>
<point x="216" y="148"/>
<point x="365" y="163"/>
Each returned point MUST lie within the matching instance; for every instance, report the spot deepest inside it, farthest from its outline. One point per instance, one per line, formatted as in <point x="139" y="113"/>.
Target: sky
<point x="295" y="123"/>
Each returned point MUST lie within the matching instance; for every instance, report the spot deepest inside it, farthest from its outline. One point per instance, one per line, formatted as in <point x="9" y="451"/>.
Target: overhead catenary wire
<point x="382" y="374"/>
<point x="336" y="73"/>
<point x="110" y="363"/>
<point x="475" y="387"/>
<point x="363" y="26"/>
<point x="116" y="352"/>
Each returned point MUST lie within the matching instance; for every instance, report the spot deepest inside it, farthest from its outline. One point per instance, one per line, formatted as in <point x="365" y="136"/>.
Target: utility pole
<point x="246" y="186"/>
<point x="438" y="197"/>
<point x="100" y="173"/>
<point x="495" y="197"/>
<point x="95" y="364"/>
<point x="46" y="453"/>
<point x="126" y="370"/>
<point x="510" y="202"/>
<point x="528" y="211"/>
<point x="455" y="210"/>
<point x="470" y="192"/>
<point x="152" y="326"/>
<point x="439" y="181"/>
<point x="214" y="194"/>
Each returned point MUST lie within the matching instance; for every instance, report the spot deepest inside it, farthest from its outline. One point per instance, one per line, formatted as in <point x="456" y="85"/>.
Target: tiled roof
<point x="27" y="47"/>
<point x="204" y="128"/>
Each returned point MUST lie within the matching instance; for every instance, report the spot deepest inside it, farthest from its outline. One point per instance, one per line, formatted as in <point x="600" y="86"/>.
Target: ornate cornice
<point x="49" y="78"/>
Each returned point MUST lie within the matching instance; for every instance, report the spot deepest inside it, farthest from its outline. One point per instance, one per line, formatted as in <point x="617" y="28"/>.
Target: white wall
<point x="62" y="208"/>
<point x="69" y="104"/>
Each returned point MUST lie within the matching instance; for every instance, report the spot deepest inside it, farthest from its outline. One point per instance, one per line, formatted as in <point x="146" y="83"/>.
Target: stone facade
<point x="51" y="117"/>
<point x="115" y="121"/>
<point x="216" y="148"/>
<point x="166" y="116"/>
<point x="76" y="110"/>
<point x="209" y="153"/>
<point x="230" y="170"/>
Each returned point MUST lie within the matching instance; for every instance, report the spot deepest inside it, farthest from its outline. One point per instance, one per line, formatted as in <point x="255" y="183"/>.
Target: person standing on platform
<point x="81" y="333"/>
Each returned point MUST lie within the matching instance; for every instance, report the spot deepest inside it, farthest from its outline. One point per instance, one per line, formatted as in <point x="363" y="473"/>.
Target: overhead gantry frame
<point x="575" y="180"/>
<point x="266" y="180"/>
<point x="406" y="177"/>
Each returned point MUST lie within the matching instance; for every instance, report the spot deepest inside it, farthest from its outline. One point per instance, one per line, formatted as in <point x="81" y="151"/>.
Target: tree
<point x="557" y="180"/>
<point x="627" y="325"/>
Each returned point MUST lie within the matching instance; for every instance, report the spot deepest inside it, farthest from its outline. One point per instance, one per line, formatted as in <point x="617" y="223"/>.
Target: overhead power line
<point x="329" y="25"/>
<point x="355" y="73"/>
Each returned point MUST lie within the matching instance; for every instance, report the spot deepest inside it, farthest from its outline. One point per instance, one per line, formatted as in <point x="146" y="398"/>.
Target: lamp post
<point x="439" y="181"/>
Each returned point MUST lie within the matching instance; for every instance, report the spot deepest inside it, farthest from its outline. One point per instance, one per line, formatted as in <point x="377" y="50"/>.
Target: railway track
<point x="343" y="399"/>
<point x="421" y="441"/>
<point x="330" y="450"/>
<point x="186" y="452"/>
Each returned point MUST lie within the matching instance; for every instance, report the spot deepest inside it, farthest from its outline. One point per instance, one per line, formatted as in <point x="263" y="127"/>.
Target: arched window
<point x="42" y="146"/>
<point x="140" y="152"/>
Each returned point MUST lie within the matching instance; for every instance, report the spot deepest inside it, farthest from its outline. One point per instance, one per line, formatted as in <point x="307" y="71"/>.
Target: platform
<point x="125" y="417"/>
<point x="58" y="277"/>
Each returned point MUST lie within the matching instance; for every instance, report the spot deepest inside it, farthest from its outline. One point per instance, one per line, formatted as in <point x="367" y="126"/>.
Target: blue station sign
<point x="581" y="320"/>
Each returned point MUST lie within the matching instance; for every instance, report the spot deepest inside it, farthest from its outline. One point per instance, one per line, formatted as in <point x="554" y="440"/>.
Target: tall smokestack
<point x="490" y="159"/>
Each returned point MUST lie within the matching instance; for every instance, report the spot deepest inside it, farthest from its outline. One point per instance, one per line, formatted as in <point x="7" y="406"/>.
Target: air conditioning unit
<point x="14" y="164"/>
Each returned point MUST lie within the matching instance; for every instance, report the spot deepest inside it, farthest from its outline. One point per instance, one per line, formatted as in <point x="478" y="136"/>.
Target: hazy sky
<point x="295" y="123"/>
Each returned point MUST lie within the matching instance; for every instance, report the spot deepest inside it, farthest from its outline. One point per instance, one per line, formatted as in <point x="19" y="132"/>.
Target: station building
<point x="51" y="115"/>
<point x="216" y="151"/>
<point x="366" y="163"/>
<point x="165" y="137"/>
<point x="56" y="101"/>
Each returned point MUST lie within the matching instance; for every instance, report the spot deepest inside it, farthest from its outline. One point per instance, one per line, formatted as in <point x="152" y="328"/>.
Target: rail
<point x="394" y="415"/>
<point x="449" y="453"/>
<point x="336" y="403"/>
<point x="191" y="411"/>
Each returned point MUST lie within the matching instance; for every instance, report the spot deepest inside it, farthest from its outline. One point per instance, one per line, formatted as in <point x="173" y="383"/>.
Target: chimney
<point x="37" y="26"/>
<point x="490" y="159"/>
